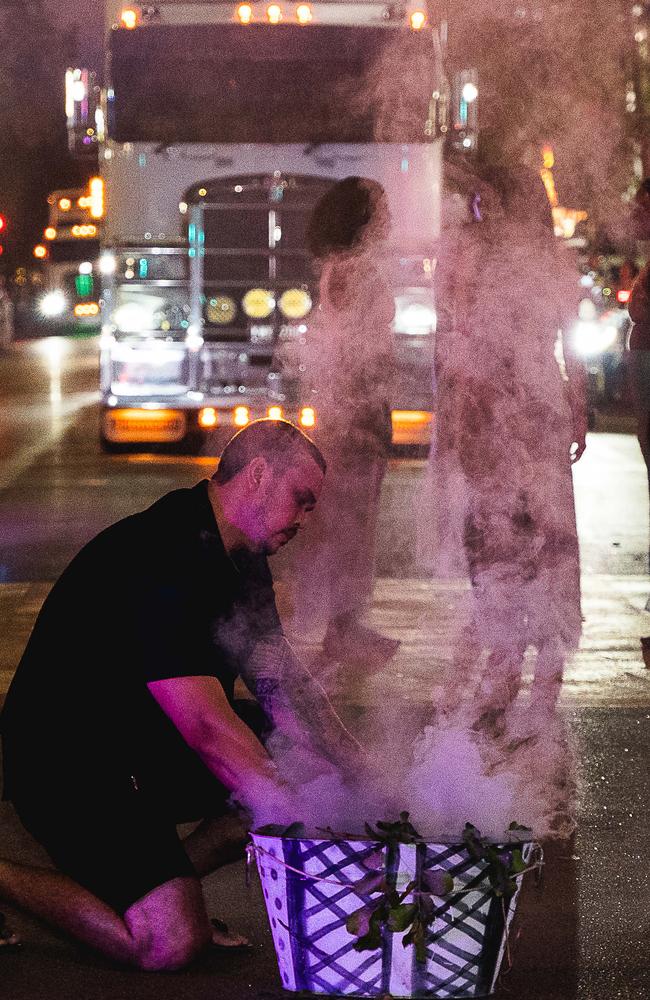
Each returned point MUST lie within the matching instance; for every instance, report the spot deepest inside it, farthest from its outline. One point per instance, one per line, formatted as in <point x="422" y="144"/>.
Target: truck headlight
<point x="590" y="337"/>
<point x="414" y="315"/>
<point x="53" y="304"/>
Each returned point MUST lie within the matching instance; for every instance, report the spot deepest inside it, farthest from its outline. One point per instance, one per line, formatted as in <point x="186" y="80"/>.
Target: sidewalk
<point x="584" y="935"/>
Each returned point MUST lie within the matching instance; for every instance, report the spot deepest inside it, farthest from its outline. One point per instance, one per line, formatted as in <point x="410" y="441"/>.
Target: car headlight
<point x="593" y="338"/>
<point x="53" y="304"/>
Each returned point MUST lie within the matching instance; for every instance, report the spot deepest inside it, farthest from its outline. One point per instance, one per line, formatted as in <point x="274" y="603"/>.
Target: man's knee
<point x="168" y="954"/>
<point x="169" y="927"/>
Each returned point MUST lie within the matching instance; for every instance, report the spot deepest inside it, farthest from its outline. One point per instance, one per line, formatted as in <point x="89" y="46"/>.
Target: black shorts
<point x="115" y="836"/>
<point x="119" y="845"/>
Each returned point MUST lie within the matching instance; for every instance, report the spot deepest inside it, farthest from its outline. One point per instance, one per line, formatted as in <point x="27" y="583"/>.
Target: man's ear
<point x="257" y="470"/>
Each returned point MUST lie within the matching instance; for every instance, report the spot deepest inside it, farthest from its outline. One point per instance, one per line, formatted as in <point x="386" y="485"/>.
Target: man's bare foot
<point x="226" y="940"/>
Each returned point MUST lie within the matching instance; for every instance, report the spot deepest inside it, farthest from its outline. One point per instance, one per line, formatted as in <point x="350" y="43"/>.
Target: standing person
<point x="6" y="315"/>
<point x="120" y="722"/>
<point x="351" y="365"/>
<point x="509" y="425"/>
<point x="638" y="359"/>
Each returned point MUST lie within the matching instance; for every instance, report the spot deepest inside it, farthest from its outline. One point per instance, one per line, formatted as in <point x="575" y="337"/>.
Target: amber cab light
<point x="130" y="18"/>
<point x="245" y="13"/>
<point x="307" y="417"/>
<point x="208" y="417"/>
<point x="274" y="13"/>
<point x="241" y="416"/>
<point x="418" y="19"/>
<point x="303" y="13"/>
<point x="275" y="412"/>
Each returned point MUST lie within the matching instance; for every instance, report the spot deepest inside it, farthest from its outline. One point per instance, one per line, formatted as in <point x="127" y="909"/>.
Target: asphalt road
<point x="585" y="933"/>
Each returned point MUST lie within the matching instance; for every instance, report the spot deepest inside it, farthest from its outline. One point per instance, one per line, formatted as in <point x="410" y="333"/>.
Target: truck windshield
<point x="228" y="83"/>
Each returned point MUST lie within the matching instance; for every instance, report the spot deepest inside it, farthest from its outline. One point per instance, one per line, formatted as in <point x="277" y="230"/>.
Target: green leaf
<point x="517" y="864"/>
<point x="370" y="883"/>
<point x="296" y="829"/>
<point x="370" y="941"/>
<point x="438" y="882"/>
<point x="400" y="917"/>
<point x="358" y="923"/>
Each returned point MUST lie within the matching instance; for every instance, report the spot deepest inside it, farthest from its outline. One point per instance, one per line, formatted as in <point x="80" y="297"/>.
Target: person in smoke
<point x="121" y="720"/>
<point x="509" y="424"/>
<point x="351" y="364"/>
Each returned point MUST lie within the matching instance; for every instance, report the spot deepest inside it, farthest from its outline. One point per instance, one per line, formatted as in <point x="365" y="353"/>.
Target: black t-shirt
<point x="154" y="596"/>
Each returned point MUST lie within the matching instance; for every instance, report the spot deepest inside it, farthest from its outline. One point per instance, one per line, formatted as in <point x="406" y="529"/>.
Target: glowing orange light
<point x="96" y="198"/>
<point x="623" y="295"/>
<point x="208" y="417"/>
<point x="275" y="412"/>
<point x="86" y="309"/>
<point x="240" y="416"/>
<point x="418" y="20"/>
<point x="84" y="231"/>
<point x="274" y="13"/>
<point x="65" y="204"/>
<point x="307" y="416"/>
<point x="129" y="18"/>
<point x="245" y="13"/>
<point x="40" y="252"/>
<point x="548" y="158"/>
<point x="84" y="201"/>
<point x="50" y="233"/>
<point x="303" y="13"/>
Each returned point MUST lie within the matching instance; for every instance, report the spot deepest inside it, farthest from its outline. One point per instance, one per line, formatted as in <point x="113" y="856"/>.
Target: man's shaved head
<point x="280" y="442"/>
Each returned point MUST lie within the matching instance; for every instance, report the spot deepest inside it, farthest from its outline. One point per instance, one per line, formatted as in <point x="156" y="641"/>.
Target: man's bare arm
<point x="199" y="709"/>
<point x="296" y="701"/>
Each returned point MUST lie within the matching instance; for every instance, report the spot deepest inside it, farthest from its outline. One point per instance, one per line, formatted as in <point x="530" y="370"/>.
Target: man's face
<point x="284" y="500"/>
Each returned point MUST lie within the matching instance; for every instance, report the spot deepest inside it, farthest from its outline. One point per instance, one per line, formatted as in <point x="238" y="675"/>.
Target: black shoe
<point x="8" y="940"/>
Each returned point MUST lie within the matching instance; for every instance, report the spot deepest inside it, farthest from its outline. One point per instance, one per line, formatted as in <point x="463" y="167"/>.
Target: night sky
<point x="88" y="17"/>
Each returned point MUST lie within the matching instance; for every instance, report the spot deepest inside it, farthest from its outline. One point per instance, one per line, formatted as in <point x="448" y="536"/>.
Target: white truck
<point x="69" y="252"/>
<point x="221" y="125"/>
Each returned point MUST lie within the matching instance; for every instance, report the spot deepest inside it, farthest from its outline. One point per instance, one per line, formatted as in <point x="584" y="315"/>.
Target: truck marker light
<point x="130" y="18"/>
<point x="418" y="19"/>
<point x="50" y="233"/>
<point x="274" y="13"/>
<point x="295" y="303"/>
<point x="303" y="13"/>
<point x="307" y="417"/>
<point x="258" y="303"/>
<point x="86" y="309"/>
<point x="208" y="417"/>
<point x="221" y="309"/>
<point x="275" y="413"/>
<point x="65" y="204"/>
<point x="245" y="13"/>
<point x="240" y="416"/>
<point x="40" y="252"/>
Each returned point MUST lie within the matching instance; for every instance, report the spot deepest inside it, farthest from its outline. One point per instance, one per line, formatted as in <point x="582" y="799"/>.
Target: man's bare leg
<point x="164" y="930"/>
